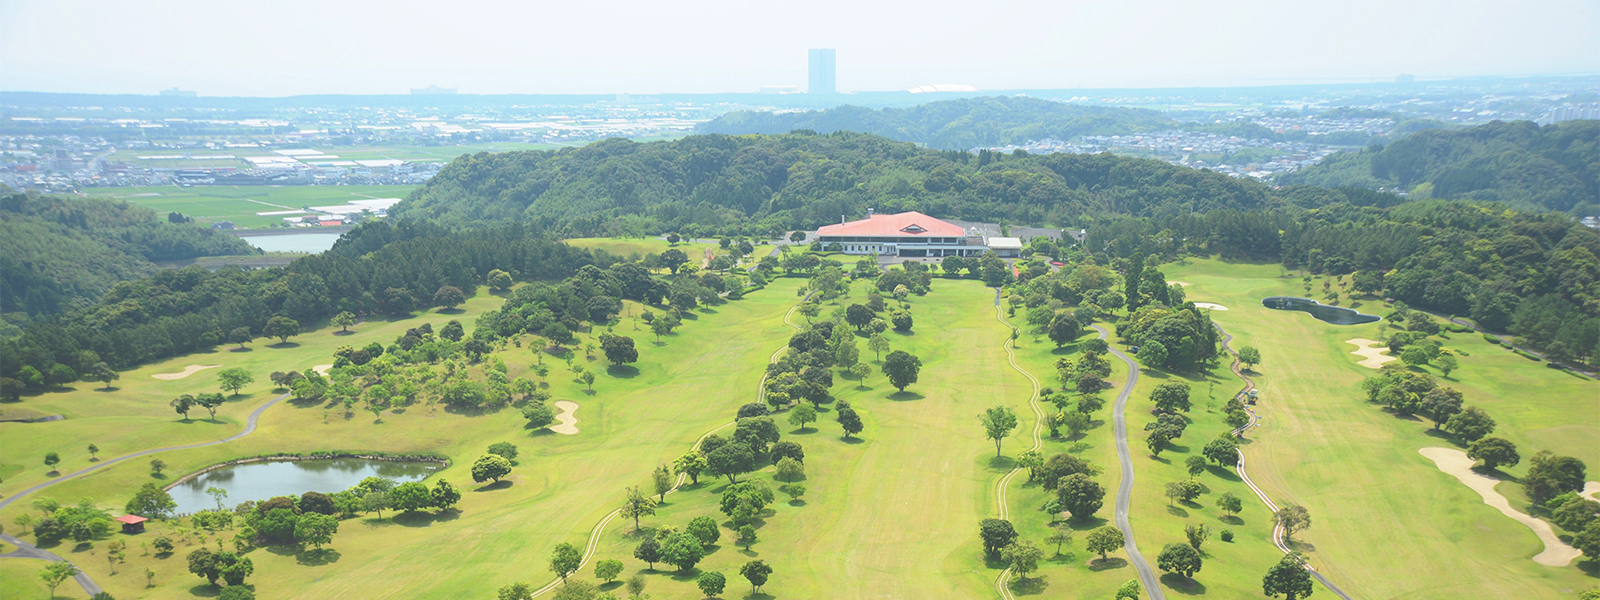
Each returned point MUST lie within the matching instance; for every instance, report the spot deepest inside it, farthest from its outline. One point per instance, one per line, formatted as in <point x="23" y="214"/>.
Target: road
<point x="26" y="550"/>
<point x="1147" y="576"/>
<point x="1255" y="421"/>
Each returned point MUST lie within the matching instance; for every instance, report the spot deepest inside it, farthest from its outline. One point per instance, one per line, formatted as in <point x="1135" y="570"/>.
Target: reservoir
<point x="262" y="480"/>
<point x="309" y="243"/>
<point x="1328" y="314"/>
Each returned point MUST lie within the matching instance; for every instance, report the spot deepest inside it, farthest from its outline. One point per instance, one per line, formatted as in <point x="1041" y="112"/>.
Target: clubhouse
<point x="911" y="234"/>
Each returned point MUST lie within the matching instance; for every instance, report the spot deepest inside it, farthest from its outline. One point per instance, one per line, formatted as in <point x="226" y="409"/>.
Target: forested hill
<point x="955" y="124"/>
<point x="771" y="183"/>
<point x="58" y="253"/>
<point x="1556" y="167"/>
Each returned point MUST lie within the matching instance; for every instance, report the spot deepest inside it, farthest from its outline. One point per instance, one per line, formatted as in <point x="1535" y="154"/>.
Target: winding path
<point x="1038" y="427"/>
<point x="600" y="528"/>
<point x="1255" y="421"/>
<point x="1147" y="576"/>
<point x="26" y="550"/>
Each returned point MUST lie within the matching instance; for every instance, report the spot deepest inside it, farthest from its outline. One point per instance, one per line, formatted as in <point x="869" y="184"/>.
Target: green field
<point x="239" y="204"/>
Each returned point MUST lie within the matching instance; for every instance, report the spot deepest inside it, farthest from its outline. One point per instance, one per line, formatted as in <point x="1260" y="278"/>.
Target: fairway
<point x="239" y="204"/>
<point x="1387" y="522"/>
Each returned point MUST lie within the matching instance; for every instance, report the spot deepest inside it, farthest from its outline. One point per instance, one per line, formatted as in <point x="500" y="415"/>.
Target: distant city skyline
<point x="709" y="46"/>
<point x="822" y="71"/>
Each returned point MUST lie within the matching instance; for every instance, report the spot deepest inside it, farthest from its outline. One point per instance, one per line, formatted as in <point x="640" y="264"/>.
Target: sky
<point x="293" y="47"/>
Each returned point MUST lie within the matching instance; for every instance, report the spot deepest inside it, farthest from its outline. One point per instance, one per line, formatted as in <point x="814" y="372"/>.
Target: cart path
<point x="26" y="550"/>
<point x="1038" y="427"/>
<point x="1147" y="576"/>
<point x="600" y="528"/>
<point x="1255" y="421"/>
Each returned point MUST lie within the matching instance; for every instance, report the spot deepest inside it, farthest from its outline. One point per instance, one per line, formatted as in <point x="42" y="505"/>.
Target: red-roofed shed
<point x="132" y="523"/>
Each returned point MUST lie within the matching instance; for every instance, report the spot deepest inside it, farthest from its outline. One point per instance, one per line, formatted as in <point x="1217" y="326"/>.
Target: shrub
<point x="1491" y="339"/>
<point x="1227" y="535"/>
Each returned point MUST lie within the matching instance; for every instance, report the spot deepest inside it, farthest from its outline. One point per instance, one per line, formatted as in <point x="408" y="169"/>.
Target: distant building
<point x="904" y="234"/>
<point x="1571" y="112"/>
<point x="779" y="89"/>
<point x="222" y="225"/>
<point x="942" y="87"/>
<point x="433" y="90"/>
<point x="178" y="93"/>
<point x="823" y="76"/>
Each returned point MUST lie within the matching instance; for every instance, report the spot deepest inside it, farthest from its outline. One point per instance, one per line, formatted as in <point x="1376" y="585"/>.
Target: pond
<point x="1329" y="314"/>
<point x="263" y="480"/>
<point x="311" y="243"/>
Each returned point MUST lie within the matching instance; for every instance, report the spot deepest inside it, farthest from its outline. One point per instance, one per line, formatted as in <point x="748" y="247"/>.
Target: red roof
<point x="903" y="224"/>
<point x="131" y="519"/>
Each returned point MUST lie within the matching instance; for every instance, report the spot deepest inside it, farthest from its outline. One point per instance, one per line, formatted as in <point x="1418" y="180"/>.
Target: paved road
<point x="1147" y="576"/>
<point x="26" y="550"/>
<point x="1255" y="421"/>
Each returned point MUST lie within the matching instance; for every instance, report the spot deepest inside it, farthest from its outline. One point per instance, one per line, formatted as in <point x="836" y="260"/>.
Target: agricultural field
<point x="239" y="204"/>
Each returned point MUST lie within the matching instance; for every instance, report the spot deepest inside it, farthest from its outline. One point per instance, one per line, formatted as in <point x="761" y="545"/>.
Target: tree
<point x="673" y="259"/>
<point x="375" y="501"/>
<point x="157" y="465"/>
<point x="662" y="478"/>
<point x="692" y="463"/>
<point x="1080" y="495"/>
<point x="901" y="368"/>
<point x="506" y="450"/>
<point x="1195" y="465"/>
<point x="682" y="550"/>
<point x="608" y="569"/>
<point x="490" y="466"/>
<point x="1159" y="437"/>
<point x="747" y="535"/>
<point x="1184" y="490"/>
<point x="56" y="573"/>
<point x="619" y="349"/>
<point x="1414" y="355"/>
<point x="61" y="375"/>
<point x="1440" y="404"/>
<point x="1446" y="364"/>
<point x="637" y="505"/>
<point x="1230" y="503"/>
<point x="998" y="422"/>
<point x="648" y="551"/>
<point x="318" y="529"/>
<point x="858" y="315"/>
<point x="1550" y="476"/>
<point x="1494" y="452"/>
<point x="996" y="535"/>
<point x="789" y="469"/>
<point x="499" y="280"/>
<point x="704" y="529"/>
<point x="1129" y="591"/>
<point x="449" y="296"/>
<point x="411" y="496"/>
<point x="711" y="583"/>
<point x="343" y="321"/>
<point x="878" y="345"/>
<point x="587" y="377"/>
<point x="1294" y="519"/>
<point x="1064" y="329"/>
<point x="1196" y="534"/>
<point x="1171" y="397"/>
<point x="1222" y="451"/>
<point x="51" y="459"/>
<point x="151" y="502"/>
<point x="731" y="460"/>
<point x="1471" y="424"/>
<point x="756" y="572"/>
<point x="1182" y="559"/>
<point x="1023" y="557"/>
<point x="802" y="416"/>
<point x="1059" y="535"/>
<point x="565" y="560"/>
<point x="1249" y="356"/>
<point x="1105" y="539"/>
<point x="1152" y="354"/>
<point x="515" y="591"/>
<point x="1075" y="422"/>
<point x="281" y="327"/>
<point x="849" y="421"/>
<point x="240" y="336"/>
<point x="210" y="402"/>
<point x="235" y="379"/>
<point x="103" y="373"/>
<point x="1289" y="577"/>
<point x="445" y="495"/>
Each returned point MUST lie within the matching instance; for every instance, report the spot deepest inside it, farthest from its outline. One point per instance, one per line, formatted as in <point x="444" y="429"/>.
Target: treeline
<point x="763" y="185"/>
<point x="1556" y="167"/>
<point x="1534" y="275"/>
<point x="63" y="253"/>
<point x="180" y="311"/>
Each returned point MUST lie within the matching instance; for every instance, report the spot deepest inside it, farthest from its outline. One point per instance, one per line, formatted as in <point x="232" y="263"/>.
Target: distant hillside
<point x="1556" y="167"/>
<point x="761" y="183"/>
<point x="955" y="124"/>
<point x="59" y="253"/>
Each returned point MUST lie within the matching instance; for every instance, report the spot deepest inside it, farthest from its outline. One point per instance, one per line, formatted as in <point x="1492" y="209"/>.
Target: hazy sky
<point x="286" y="47"/>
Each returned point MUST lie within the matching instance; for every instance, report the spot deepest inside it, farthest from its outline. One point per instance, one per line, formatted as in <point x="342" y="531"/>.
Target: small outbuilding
<point x="132" y="523"/>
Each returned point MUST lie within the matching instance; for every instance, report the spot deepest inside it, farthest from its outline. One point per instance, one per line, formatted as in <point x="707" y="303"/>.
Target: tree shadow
<point x="1177" y="511"/>
<point x="498" y="485"/>
<point x="903" y="396"/>
<point x="1002" y="464"/>
<point x="424" y="519"/>
<point x="458" y="311"/>
<point x="1030" y="587"/>
<point x="284" y="345"/>
<point x="204" y="590"/>
<point x="852" y="440"/>
<point x="344" y="333"/>
<point x="1303" y="547"/>
<point x="1222" y="473"/>
<point x="107" y="390"/>
<point x="1183" y="585"/>
<point x="1108" y="563"/>
<point x="1231" y="520"/>
<point x="317" y="558"/>
<point x="622" y="371"/>
<point x="244" y="349"/>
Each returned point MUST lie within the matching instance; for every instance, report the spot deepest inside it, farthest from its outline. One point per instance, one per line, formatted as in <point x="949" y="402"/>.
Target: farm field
<point x="239" y="204"/>
<point x="203" y="158"/>
<point x="1386" y="522"/>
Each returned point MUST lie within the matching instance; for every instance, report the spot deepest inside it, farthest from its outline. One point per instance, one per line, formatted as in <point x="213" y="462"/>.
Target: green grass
<point x="1387" y="522"/>
<point x="19" y="577"/>
<point x="239" y="204"/>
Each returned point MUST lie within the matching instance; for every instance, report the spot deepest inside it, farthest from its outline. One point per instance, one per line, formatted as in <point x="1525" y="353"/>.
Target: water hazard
<point x="263" y="480"/>
<point x="1329" y="314"/>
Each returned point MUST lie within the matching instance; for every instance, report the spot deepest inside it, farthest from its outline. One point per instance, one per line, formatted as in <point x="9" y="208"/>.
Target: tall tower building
<point x="822" y="73"/>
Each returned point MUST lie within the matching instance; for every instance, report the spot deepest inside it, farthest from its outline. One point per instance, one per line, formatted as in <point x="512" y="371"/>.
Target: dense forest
<point x="61" y="253"/>
<point x="759" y="184"/>
<point x="1556" y="167"/>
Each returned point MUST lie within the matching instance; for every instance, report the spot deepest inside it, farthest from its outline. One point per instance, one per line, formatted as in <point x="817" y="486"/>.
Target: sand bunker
<point x="1210" y="306"/>
<point x="568" y="418"/>
<point x="187" y="371"/>
<point x="1590" y="489"/>
<point x="322" y="369"/>
<point x="1455" y="462"/>
<point x="1370" y="350"/>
